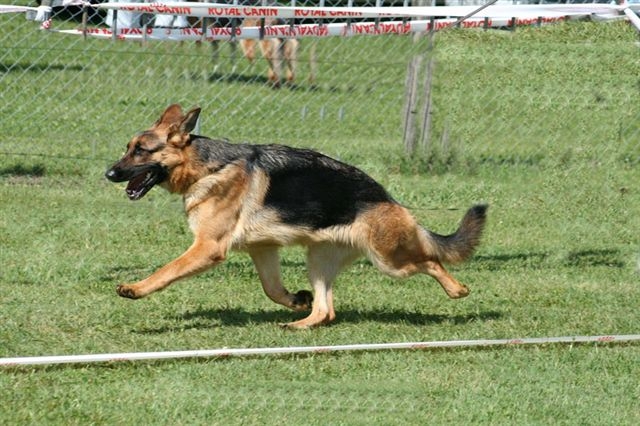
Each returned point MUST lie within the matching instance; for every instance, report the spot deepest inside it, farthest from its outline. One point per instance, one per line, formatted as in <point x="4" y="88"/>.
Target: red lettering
<point x="224" y="11"/>
<point x="130" y="31"/>
<point x="98" y="31"/>
<point x="259" y="11"/>
<point x="344" y="14"/>
<point x="442" y="25"/>
<point x="472" y="24"/>
<point x="305" y="31"/>
<point x="217" y="31"/>
<point x="190" y="31"/>
<point x="310" y="13"/>
<point x="396" y="28"/>
<point x="363" y="28"/>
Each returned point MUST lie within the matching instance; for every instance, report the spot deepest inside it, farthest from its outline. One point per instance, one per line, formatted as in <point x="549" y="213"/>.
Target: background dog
<point x="276" y="51"/>
<point x="258" y="198"/>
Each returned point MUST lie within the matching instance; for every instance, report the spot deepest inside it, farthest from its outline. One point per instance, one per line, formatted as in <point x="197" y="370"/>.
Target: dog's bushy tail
<point x="460" y="245"/>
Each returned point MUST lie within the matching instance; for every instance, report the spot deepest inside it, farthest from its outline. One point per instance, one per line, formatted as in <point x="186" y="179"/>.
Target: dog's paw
<point x="463" y="291"/>
<point x="302" y="300"/>
<point x="312" y="321"/>
<point x="125" y="290"/>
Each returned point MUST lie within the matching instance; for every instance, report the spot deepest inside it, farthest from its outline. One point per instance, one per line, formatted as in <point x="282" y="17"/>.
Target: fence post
<point x="410" y="138"/>
<point x="85" y="19"/>
<point x="428" y="103"/>
<point x="114" y="25"/>
<point x="313" y="63"/>
<point x="411" y="99"/>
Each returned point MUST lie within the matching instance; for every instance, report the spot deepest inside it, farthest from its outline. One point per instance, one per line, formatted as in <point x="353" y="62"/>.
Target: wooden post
<point x="428" y="102"/>
<point x="313" y="63"/>
<point x="411" y="99"/>
<point x="85" y="19"/>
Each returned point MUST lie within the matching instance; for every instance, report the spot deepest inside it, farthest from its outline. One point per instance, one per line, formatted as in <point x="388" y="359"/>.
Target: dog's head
<point x="152" y="154"/>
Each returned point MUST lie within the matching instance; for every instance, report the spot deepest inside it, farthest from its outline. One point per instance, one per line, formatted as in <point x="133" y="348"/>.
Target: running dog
<point x="258" y="198"/>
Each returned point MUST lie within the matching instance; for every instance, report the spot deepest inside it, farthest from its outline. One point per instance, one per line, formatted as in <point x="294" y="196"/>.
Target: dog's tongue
<point x="136" y="187"/>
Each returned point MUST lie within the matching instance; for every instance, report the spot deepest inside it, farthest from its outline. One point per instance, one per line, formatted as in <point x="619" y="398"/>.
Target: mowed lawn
<point x="560" y="257"/>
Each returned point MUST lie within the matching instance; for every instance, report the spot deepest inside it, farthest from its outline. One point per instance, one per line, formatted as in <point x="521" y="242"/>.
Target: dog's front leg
<point x="271" y="51"/>
<point x="202" y="255"/>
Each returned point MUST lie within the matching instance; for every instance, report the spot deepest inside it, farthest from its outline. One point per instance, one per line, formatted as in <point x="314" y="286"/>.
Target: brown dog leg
<point x="450" y="285"/>
<point x="200" y="256"/>
<point x="271" y="52"/>
<point x="290" y="53"/>
<point x="401" y="250"/>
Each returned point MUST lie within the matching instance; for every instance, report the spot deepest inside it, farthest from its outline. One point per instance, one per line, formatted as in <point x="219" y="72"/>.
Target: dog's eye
<point x="137" y="150"/>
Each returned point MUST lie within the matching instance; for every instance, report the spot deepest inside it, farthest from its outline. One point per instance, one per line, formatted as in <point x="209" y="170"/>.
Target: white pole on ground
<point x="224" y="353"/>
<point x="635" y="20"/>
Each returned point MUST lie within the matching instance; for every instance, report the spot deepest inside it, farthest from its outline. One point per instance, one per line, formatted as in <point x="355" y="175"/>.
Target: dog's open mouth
<point x="140" y="184"/>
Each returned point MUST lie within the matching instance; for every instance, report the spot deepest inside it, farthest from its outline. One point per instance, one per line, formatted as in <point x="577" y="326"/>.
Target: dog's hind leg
<point x="450" y="285"/>
<point x="324" y="263"/>
<point x="401" y="248"/>
<point x="410" y="258"/>
<point x="267" y="262"/>
<point x="271" y="52"/>
<point x="290" y="54"/>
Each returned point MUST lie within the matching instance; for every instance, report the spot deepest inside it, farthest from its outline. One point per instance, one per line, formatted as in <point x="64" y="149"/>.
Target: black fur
<point x="326" y="192"/>
<point x="306" y="188"/>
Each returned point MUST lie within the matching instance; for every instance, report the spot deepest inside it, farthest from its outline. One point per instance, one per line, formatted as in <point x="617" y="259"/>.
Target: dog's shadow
<point x="211" y="318"/>
<point x="263" y="81"/>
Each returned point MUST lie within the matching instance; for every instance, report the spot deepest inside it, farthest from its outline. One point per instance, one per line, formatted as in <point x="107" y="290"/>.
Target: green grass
<point x="557" y="164"/>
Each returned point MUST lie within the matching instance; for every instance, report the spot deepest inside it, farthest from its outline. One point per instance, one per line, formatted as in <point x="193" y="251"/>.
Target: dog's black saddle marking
<point x="306" y="188"/>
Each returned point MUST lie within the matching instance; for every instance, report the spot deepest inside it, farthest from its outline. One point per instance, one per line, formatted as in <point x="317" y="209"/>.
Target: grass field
<point x="560" y="255"/>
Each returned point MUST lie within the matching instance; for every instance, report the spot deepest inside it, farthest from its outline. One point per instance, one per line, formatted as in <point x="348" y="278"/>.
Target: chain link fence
<point x="560" y="99"/>
<point x="68" y="87"/>
<point x="57" y="86"/>
<point x="560" y="96"/>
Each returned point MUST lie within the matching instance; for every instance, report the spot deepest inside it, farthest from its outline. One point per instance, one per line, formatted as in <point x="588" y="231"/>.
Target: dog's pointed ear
<point x="179" y="134"/>
<point x="172" y="115"/>
<point x="190" y="120"/>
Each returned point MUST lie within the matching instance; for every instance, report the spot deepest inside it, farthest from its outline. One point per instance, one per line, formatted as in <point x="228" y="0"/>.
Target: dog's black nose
<point x="112" y="175"/>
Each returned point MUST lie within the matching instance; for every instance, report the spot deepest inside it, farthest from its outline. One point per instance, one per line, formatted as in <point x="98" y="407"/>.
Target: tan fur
<point x="225" y="212"/>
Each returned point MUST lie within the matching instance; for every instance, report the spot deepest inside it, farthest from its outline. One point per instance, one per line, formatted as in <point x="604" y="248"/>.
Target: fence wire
<point x="464" y="100"/>
<point x="58" y="86"/>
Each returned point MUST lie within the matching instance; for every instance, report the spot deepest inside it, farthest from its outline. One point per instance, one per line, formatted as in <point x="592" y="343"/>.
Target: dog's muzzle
<point x="141" y="178"/>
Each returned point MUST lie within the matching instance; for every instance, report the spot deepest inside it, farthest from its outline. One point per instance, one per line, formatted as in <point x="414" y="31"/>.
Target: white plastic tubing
<point x="224" y="353"/>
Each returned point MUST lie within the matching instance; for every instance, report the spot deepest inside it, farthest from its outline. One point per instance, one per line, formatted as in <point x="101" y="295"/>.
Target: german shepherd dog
<point x="274" y="50"/>
<point x="258" y="198"/>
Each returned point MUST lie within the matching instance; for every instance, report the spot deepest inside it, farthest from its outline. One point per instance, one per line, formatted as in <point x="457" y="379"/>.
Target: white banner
<point x="8" y="8"/>
<point x="303" y="30"/>
<point x="286" y="12"/>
